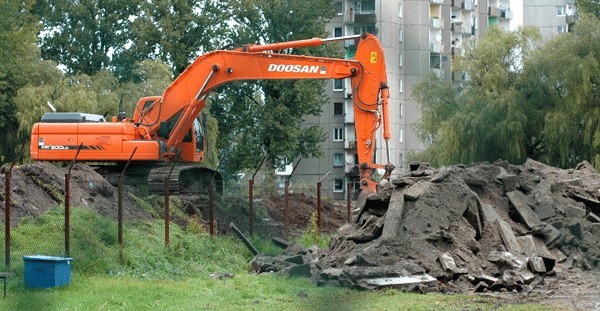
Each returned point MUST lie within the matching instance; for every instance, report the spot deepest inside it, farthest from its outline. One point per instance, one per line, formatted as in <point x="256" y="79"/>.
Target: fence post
<point x="348" y="200"/>
<point x="319" y="183"/>
<point x="168" y="207"/>
<point x="68" y="203"/>
<point x="7" y="198"/>
<point x="287" y="194"/>
<point x="251" y="198"/>
<point x="120" y="205"/>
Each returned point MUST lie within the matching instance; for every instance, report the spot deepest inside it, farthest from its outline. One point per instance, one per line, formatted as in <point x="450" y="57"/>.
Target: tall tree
<point x="589" y="7"/>
<point x="565" y="75"/>
<point x="266" y="117"/>
<point x="83" y="35"/>
<point x="488" y="119"/>
<point x="19" y="66"/>
<point x="176" y="31"/>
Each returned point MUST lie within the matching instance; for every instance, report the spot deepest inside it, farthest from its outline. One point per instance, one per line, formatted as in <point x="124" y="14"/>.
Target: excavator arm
<point x="185" y="97"/>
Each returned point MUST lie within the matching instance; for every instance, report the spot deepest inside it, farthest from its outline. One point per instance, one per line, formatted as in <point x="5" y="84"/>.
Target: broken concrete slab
<point x="557" y="255"/>
<point x="393" y="217"/>
<point x="298" y="259"/>
<point x="416" y="190"/>
<point x="281" y="242"/>
<point x="441" y="174"/>
<point x="488" y="213"/>
<point x="506" y="259"/>
<point x="533" y="246"/>
<point x="474" y="181"/>
<point x="572" y="211"/>
<point x="302" y="270"/>
<point x="447" y="262"/>
<point x="536" y="264"/>
<point x="521" y="204"/>
<point x="544" y="210"/>
<point x="548" y="233"/>
<point x="508" y="237"/>
<point x="576" y="230"/>
<point x="401" y="282"/>
<point x="591" y="217"/>
<point x="472" y="214"/>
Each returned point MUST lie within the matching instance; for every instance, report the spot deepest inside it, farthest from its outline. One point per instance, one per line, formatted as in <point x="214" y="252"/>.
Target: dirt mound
<point x="484" y="227"/>
<point x="39" y="186"/>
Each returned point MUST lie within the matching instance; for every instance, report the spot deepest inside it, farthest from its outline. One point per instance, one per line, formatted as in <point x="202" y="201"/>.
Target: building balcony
<point x="494" y="11"/>
<point x="435" y="47"/>
<point x="506" y="14"/>
<point x="457" y="3"/>
<point x="438" y="72"/>
<point x="467" y="5"/>
<point x="456" y="51"/>
<point x="349" y="117"/>
<point x="468" y="29"/>
<point x="455" y="26"/>
<point x="352" y="170"/>
<point x="365" y="18"/>
<point x="571" y="19"/>
<point x="436" y="1"/>
<point x="435" y="22"/>
<point x="350" y="144"/>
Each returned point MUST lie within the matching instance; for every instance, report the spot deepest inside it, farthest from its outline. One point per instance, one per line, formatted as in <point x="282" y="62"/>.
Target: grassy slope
<point x="151" y="277"/>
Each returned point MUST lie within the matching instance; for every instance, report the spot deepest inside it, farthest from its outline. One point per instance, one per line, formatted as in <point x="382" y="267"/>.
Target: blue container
<point x="47" y="271"/>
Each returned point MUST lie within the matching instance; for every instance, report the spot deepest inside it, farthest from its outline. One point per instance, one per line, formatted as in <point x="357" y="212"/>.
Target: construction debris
<point x="484" y="227"/>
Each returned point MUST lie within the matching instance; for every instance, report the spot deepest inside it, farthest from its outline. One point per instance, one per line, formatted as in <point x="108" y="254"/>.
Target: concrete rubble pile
<point x="483" y="227"/>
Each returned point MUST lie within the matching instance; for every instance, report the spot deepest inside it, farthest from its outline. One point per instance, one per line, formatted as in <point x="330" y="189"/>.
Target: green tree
<point x="589" y="6"/>
<point x="83" y="35"/>
<point x="19" y="66"/>
<point x="266" y="117"/>
<point x="566" y="75"/>
<point x="488" y="119"/>
<point x="175" y="31"/>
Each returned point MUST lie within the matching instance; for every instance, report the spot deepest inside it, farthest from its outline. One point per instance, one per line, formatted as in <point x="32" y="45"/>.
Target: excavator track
<point x="190" y="179"/>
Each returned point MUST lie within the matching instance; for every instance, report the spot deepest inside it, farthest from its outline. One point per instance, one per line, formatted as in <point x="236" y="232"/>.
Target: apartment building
<point x="552" y="17"/>
<point x="419" y="37"/>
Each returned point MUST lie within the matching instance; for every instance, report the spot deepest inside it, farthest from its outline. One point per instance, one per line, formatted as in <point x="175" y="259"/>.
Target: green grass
<point x="153" y="277"/>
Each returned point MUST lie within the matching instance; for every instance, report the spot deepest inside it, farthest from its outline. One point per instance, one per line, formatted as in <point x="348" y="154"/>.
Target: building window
<point x="338" y="185"/>
<point x="338" y="109"/>
<point x="359" y="30"/>
<point x="435" y="61"/>
<point x="338" y="32"/>
<point x="400" y="59"/>
<point x="561" y="29"/>
<point x="338" y="84"/>
<point x="561" y="10"/>
<point x="401" y="112"/>
<point x="401" y="135"/>
<point x="338" y="159"/>
<point x="339" y="8"/>
<point x="400" y="14"/>
<point x="401" y="160"/>
<point x="338" y="134"/>
<point x="401" y="86"/>
<point x="401" y="35"/>
<point x="364" y="6"/>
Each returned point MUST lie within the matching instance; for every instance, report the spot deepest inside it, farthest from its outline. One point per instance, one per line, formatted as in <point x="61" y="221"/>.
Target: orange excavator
<point x="166" y="129"/>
